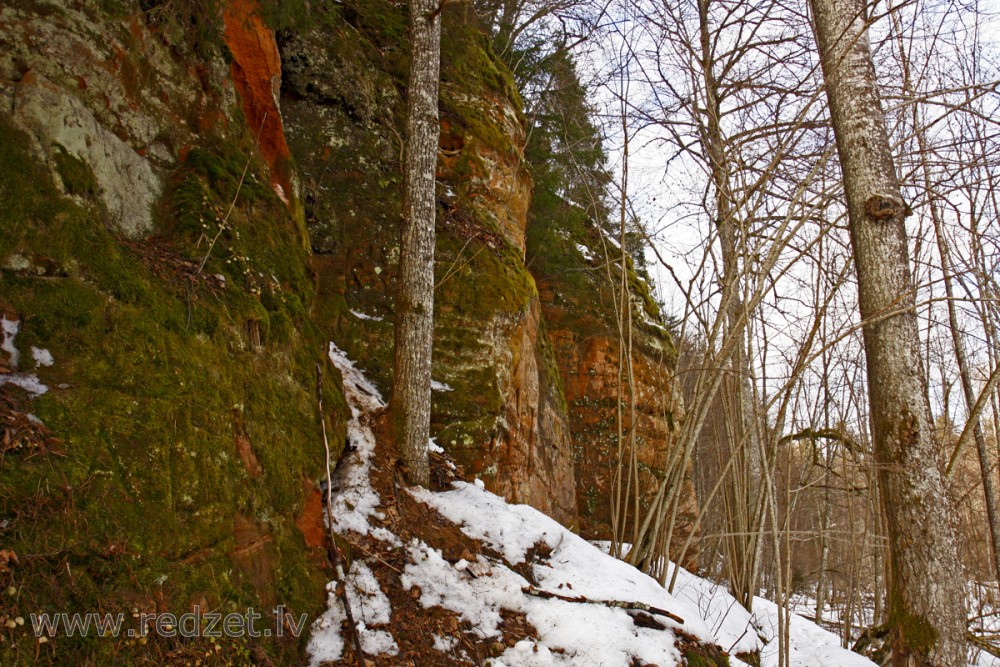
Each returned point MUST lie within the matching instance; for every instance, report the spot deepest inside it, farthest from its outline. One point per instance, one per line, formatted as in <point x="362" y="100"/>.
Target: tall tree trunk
<point x="410" y="405"/>
<point x="926" y="591"/>
<point x="744" y="497"/>
<point x="957" y="339"/>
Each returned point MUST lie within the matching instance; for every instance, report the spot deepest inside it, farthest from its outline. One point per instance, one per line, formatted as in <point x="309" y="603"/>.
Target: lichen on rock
<point x="126" y="183"/>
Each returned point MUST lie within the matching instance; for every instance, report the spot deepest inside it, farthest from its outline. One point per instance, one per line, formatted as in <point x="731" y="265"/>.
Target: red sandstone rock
<point x="256" y="71"/>
<point x="589" y="369"/>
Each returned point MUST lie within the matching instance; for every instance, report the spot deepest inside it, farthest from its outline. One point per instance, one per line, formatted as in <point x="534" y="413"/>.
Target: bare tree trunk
<point x="744" y="499"/>
<point x="958" y="340"/>
<point x="410" y="405"/>
<point x="985" y="466"/>
<point x="926" y="592"/>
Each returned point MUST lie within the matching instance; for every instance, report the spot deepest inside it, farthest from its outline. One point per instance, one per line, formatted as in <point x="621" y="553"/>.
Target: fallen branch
<point x="332" y="549"/>
<point x="874" y="637"/>
<point x="617" y="604"/>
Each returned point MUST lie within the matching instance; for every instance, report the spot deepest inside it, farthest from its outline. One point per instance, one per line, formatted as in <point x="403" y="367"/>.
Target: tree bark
<point x="926" y="591"/>
<point x="410" y="404"/>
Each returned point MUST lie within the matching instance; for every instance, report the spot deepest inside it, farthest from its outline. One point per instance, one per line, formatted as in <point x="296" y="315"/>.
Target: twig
<point x="372" y="554"/>
<point x="332" y="547"/>
<point x="618" y="604"/>
<point x="981" y="643"/>
<point x="232" y="204"/>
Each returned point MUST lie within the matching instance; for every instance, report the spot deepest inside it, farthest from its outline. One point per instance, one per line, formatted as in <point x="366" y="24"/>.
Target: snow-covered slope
<point x="561" y="599"/>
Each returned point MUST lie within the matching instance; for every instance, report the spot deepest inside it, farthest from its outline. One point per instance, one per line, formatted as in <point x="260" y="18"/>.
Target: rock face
<point x="157" y="199"/>
<point x="506" y="353"/>
<point x="499" y="409"/>
<point x="152" y="94"/>
<point x="256" y="71"/>
<point x="174" y="457"/>
<point x="590" y="376"/>
<point x="126" y="182"/>
<point x="568" y="258"/>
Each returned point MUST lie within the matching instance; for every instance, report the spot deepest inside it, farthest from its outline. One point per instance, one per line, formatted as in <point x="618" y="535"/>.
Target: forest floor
<point x="456" y="576"/>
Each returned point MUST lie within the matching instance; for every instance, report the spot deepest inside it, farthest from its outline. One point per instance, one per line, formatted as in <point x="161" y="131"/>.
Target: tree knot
<point x="884" y="207"/>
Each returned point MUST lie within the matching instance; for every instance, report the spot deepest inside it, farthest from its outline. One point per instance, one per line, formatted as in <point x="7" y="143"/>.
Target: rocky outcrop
<point x="591" y="380"/>
<point x="256" y="71"/>
<point x="534" y="451"/>
<point x="493" y="178"/>
<point x="498" y="408"/>
<point x="152" y="94"/>
<point x="570" y="261"/>
<point x="125" y="182"/>
<point x="143" y="242"/>
<point x="172" y="461"/>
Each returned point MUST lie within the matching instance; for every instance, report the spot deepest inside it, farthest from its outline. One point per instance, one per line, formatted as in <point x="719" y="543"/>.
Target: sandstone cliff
<point x="578" y="269"/>
<point x="196" y="197"/>
<point x="498" y="408"/>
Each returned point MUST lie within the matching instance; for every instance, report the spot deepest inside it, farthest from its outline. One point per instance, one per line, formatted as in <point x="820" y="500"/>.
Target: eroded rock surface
<point x="127" y="183"/>
<point x="256" y="71"/>
<point x="502" y="415"/>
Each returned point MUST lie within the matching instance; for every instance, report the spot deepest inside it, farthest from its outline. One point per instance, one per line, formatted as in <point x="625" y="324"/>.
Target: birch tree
<point x="410" y="404"/>
<point x="926" y="591"/>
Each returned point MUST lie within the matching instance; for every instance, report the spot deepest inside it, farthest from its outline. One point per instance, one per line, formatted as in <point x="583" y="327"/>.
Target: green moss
<point x="155" y="378"/>
<point x="290" y="15"/>
<point x="468" y="61"/>
<point x="76" y="175"/>
<point x="472" y="76"/>
<point x="697" y="657"/>
<point x="913" y="631"/>
<point x="551" y="378"/>
<point x="476" y="280"/>
<point x="584" y="291"/>
<point x="383" y="25"/>
<point x="192" y="25"/>
<point x="17" y="174"/>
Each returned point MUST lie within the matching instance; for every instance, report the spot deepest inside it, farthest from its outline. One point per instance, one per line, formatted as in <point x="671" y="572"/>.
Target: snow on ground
<point x="27" y="381"/>
<point x="354" y="501"/>
<point x="568" y="631"/>
<point x="732" y="626"/>
<point x="369" y="605"/>
<point x="10" y="329"/>
<point x="585" y="633"/>
<point x="810" y="644"/>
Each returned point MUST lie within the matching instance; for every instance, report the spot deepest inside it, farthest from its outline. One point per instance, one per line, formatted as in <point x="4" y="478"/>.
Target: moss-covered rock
<point x="184" y="400"/>
<point x="343" y="104"/>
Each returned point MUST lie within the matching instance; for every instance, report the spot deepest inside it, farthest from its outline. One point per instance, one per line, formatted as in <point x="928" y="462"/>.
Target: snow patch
<point x="10" y="329"/>
<point x="440" y="386"/>
<point x="27" y="381"/>
<point x="477" y="600"/>
<point x="364" y="316"/>
<point x="41" y="356"/>
<point x="369" y="605"/>
<point x="354" y="499"/>
<point x="444" y="644"/>
<point x="586" y="252"/>
<point x="580" y="630"/>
